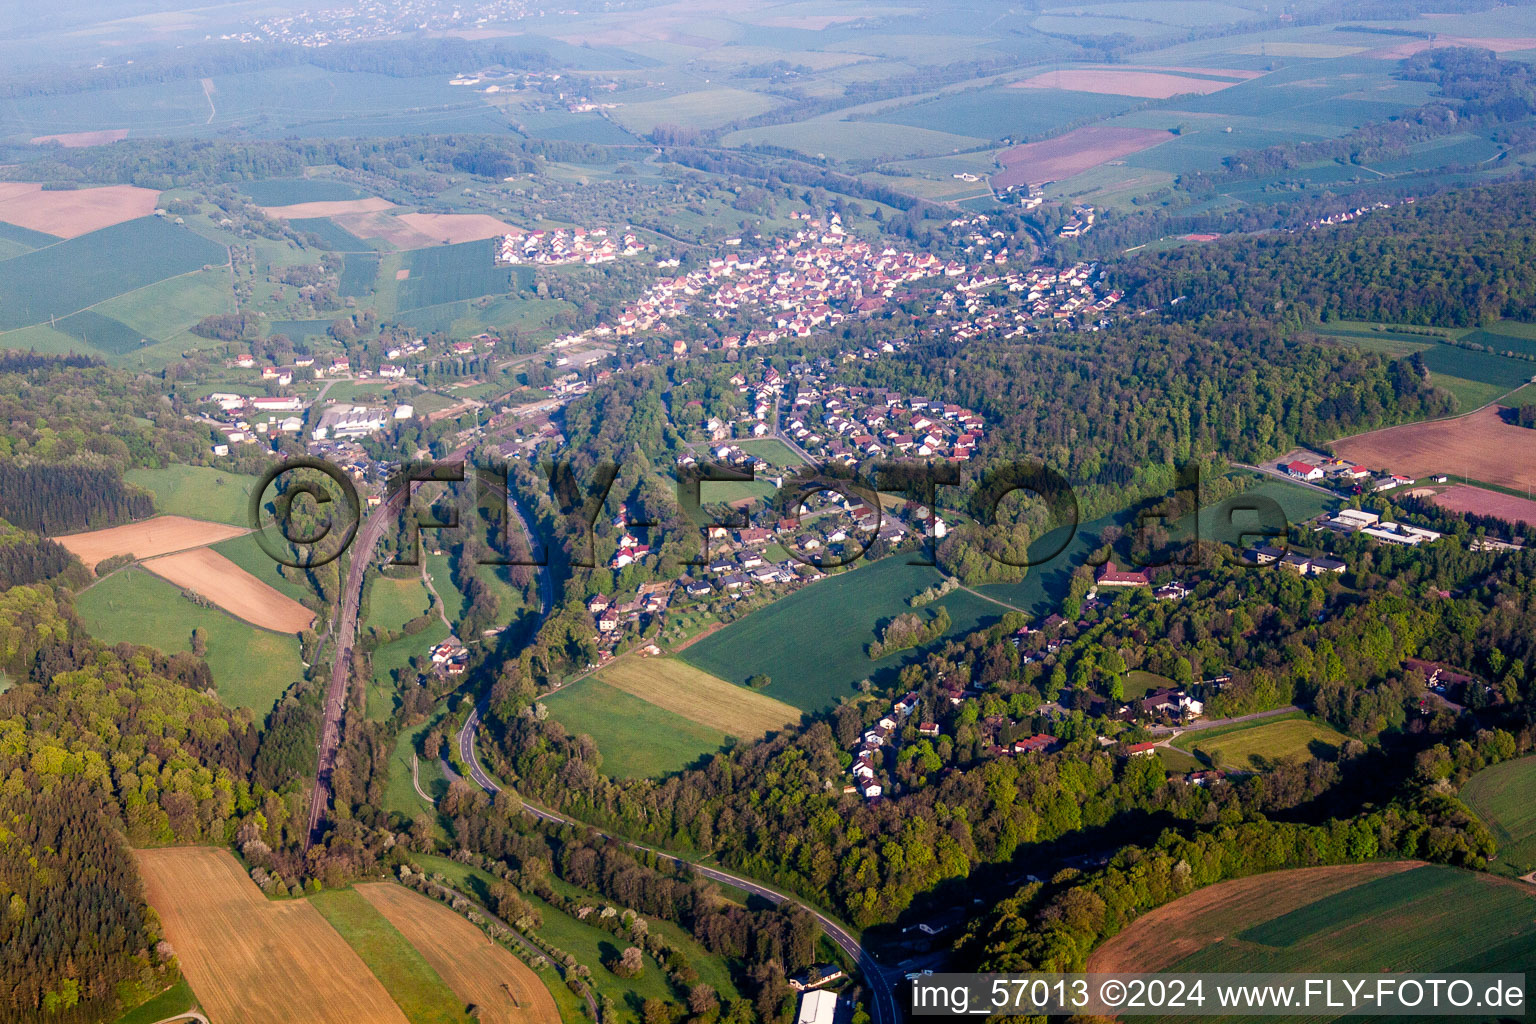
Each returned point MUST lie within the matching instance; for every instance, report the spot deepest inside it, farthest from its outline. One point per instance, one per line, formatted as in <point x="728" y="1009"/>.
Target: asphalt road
<point x="883" y="1008"/>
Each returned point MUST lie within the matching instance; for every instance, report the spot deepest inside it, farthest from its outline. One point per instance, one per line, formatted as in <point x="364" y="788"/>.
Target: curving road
<point x="883" y="1008"/>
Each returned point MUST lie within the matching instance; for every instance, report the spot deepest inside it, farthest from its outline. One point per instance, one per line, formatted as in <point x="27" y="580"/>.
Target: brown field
<point x="678" y="687"/>
<point x="1478" y="501"/>
<point x="74" y="211"/>
<point x="74" y="140"/>
<point x="1116" y="82"/>
<point x="456" y="227"/>
<point x="1479" y="445"/>
<point x="209" y="574"/>
<point x="1408" y="49"/>
<point x="303" y="211"/>
<point x="402" y="273"/>
<point x="479" y="971"/>
<point x="1223" y="72"/>
<point x="1162" y="937"/>
<point x="147" y="538"/>
<point x="251" y="960"/>
<point x="1072" y="153"/>
<point x="381" y="224"/>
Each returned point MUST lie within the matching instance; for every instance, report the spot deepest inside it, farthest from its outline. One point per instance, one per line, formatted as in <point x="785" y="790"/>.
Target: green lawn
<point x="198" y="492"/>
<point x="1253" y="745"/>
<point x="1139" y="683"/>
<point x="399" y="796"/>
<point x="636" y="737"/>
<point x="415" y="987"/>
<point x="1501" y="796"/>
<point x="251" y="667"/>
<point x="392" y="602"/>
<point x="172" y="1001"/>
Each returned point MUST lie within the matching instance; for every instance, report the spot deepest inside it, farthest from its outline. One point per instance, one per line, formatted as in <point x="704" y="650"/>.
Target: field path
<point x="208" y="91"/>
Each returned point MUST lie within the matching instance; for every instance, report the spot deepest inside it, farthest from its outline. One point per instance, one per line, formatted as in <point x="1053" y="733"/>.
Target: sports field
<point x="398" y="965"/>
<point x="636" y="738"/>
<point x="1414" y="918"/>
<point x="252" y="960"/>
<point x="1501" y="796"/>
<point x="251" y="668"/>
<point x="480" y="972"/>
<point x="147" y="538"/>
<point x="1252" y="746"/>
<point x="209" y="574"/>
<point x="1479" y="445"/>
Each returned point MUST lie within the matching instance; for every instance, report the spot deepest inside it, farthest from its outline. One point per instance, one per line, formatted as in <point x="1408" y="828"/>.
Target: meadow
<point x="1252" y="746"/>
<point x="676" y="686"/>
<point x="1501" y="796"/>
<point x="999" y="112"/>
<point x="198" y="492"/>
<point x="636" y="738"/>
<point x="812" y="644"/>
<point x="395" y="600"/>
<point x="400" y="796"/>
<point x="331" y="234"/>
<point x="251" y="667"/>
<point x="403" y="970"/>
<point x="288" y="191"/>
<point x="84" y="271"/>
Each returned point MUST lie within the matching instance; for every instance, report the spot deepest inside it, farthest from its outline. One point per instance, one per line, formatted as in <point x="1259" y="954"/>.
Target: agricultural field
<point x="1478" y="446"/>
<point x="81" y="272"/>
<point x="1251" y="746"/>
<point x="480" y="972"/>
<point x="210" y="575"/>
<point x="1072" y="153"/>
<point x="813" y="643"/>
<point x="398" y="963"/>
<point x="1501" y="796"/>
<point x="292" y="191"/>
<point x="452" y="273"/>
<point x="197" y="492"/>
<point x="1398" y="917"/>
<point x="636" y="738"/>
<point x="249" y="959"/>
<point x="678" y="687"/>
<point x="69" y="213"/>
<point x="251" y="668"/>
<point x="999" y="112"/>
<point x="146" y="538"/>
<point x="247" y="553"/>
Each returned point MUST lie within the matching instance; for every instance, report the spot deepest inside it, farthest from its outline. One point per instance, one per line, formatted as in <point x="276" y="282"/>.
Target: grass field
<point x="399" y="796"/>
<point x="812" y="644"/>
<point x="1428" y="918"/>
<point x="172" y="1001"/>
<point x="251" y="667"/>
<point x="1253" y="745"/>
<point x="287" y="191"/>
<point x="1139" y="683"/>
<point x="252" y="960"/>
<point x="394" y="602"/>
<point x="1501" y="796"/>
<point x="210" y="575"/>
<point x="84" y="271"/>
<point x="637" y="739"/>
<point x="400" y="966"/>
<point x="480" y="972"/>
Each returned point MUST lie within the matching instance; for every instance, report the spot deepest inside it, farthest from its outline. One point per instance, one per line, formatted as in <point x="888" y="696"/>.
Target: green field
<point x="635" y="737"/>
<point x="198" y="492"/>
<point x="400" y="796"/>
<point x="247" y="553"/>
<point x="288" y="191"/>
<point x="813" y="642"/>
<point x="251" y="667"/>
<point x="707" y="108"/>
<point x="394" y="657"/>
<point x="1000" y="112"/>
<point x="1251" y="746"/>
<point x="1501" y="796"/>
<point x="92" y="268"/>
<point x="393" y="602"/>
<point x="452" y="273"/>
<point x="440" y="569"/>
<point x="172" y="1001"/>
<point x="1139" y="683"/>
<point x="411" y="982"/>
<point x="1428" y="919"/>
<point x="164" y="310"/>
